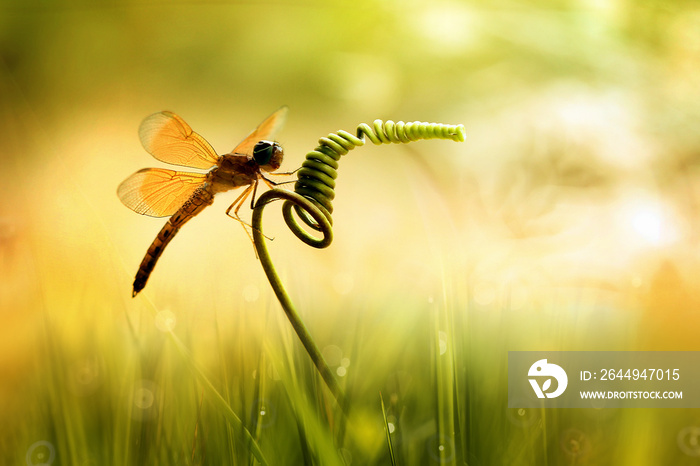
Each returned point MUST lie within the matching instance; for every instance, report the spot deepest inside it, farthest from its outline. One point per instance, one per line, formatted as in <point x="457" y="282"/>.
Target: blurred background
<point x="568" y="220"/>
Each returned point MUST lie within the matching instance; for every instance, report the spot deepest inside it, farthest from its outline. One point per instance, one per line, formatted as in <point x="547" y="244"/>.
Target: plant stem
<point x="281" y="293"/>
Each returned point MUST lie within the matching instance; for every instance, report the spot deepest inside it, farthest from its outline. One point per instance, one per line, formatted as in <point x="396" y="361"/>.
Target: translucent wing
<point x="266" y="130"/>
<point x="168" y="138"/>
<point x="158" y="192"/>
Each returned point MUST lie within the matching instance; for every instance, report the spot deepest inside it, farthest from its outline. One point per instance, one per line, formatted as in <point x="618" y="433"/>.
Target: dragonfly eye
<point x="262" y="152"/>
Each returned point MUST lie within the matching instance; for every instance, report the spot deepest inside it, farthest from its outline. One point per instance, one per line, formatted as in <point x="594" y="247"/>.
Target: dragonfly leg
<point x="284" y="173"/>
<point x="255" y="191"/>
<point x="272" y="184"/>
<point x="237" y="203"/>
<point x="236" y="206"/>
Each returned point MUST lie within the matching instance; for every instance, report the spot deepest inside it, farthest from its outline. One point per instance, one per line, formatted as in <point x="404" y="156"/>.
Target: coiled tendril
<point x="312" y="200"/>
<point x="316" y="178"/>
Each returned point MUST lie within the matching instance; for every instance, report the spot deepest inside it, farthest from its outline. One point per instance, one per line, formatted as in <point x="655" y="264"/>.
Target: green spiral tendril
<point x="312" y="201"/>
<point x="316" y="178"/>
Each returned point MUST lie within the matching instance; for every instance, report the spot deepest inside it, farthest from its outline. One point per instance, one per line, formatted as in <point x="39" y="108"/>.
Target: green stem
<point x="281" y="293"/>
<point x="311" y="200"/>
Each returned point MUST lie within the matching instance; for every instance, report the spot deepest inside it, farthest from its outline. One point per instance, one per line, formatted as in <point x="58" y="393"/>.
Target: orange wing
<point x="168" y="138"/>
<point x="266" y="130"/>
<point x="158" y="192"/>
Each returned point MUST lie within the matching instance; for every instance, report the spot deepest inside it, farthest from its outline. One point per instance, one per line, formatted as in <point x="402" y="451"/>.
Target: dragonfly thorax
<point x="268" y="155"/>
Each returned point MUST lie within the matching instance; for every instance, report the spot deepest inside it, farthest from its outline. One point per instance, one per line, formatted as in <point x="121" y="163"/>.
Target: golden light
<point x="648" y="223"/>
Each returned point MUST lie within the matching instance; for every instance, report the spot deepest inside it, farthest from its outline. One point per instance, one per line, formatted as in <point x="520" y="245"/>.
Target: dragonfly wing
<point x="169" y="139"/>
<point x="265" y="131"/>
<point x="158" y="192"/>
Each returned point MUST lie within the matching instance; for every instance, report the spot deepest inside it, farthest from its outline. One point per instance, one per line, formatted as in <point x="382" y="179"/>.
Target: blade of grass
<point x="196" y="427"/>
<point x="258" y="397"/>
<point x="388" y="432"/>
<point x="321" y="448"/>
<point x="226" y="394"/>
<point x="218" y="400"/>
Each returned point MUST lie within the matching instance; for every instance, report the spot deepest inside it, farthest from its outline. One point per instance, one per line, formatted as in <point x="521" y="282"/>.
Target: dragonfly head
<point x="268" y="155"/>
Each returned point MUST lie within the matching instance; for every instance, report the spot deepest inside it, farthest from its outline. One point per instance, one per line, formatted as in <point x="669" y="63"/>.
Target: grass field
<point x="203" y="368"/>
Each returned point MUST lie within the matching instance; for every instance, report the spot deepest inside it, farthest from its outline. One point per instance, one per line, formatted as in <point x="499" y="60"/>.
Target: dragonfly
<point x="181" y="195"/>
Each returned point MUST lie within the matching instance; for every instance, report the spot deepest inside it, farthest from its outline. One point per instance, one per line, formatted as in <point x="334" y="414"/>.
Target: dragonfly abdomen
<point x="199" y="200"/>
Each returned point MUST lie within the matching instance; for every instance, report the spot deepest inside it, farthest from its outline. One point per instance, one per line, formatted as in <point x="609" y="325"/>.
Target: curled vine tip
<point x="316" y="177"/>
<point x="382" y="132"/>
